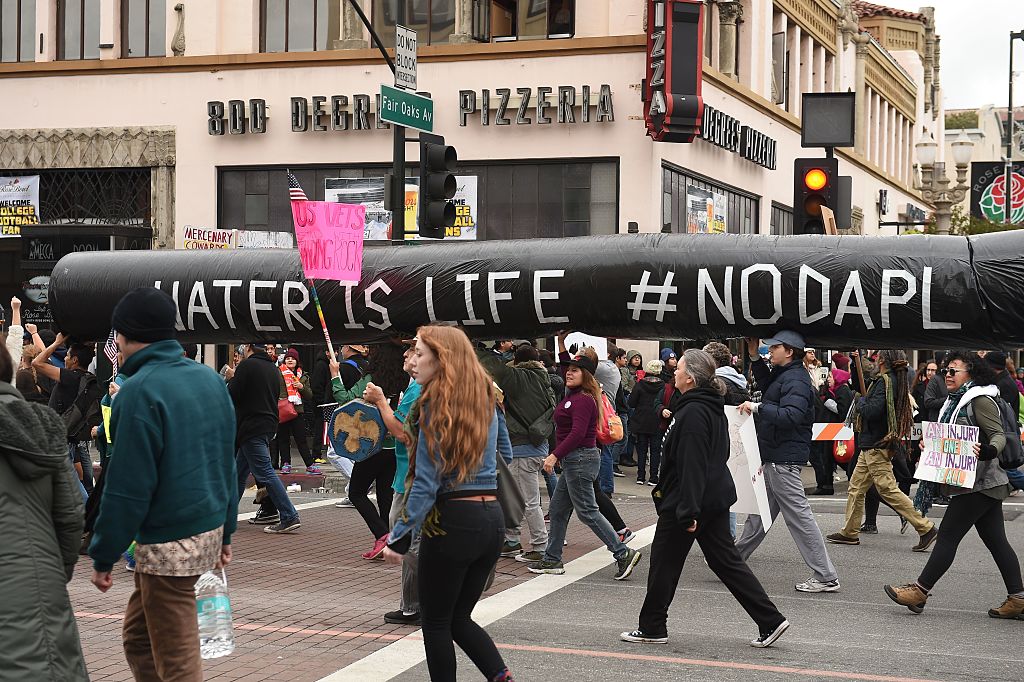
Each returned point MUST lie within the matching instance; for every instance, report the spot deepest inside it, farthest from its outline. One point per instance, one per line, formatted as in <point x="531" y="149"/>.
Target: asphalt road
<point x="857" y="633"/>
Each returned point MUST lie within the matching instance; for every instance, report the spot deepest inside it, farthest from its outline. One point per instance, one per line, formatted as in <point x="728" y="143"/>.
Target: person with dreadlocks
<point x="885" y="417"/>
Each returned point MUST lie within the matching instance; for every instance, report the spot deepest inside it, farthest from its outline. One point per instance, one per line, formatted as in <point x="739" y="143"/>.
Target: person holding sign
<point x="885" y="419"/>
<point x="971" y="402"/>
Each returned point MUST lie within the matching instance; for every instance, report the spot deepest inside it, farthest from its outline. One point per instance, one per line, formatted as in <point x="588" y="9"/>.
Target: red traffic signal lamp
<point x="815" y="184"/>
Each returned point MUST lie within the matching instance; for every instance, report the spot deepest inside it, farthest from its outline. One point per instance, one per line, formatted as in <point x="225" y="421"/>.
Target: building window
<point x="531" y="19"/>
<point x="17" y="30"/>
<point x="78" y="28"/>
<point x="93" y="196"/>
<point x="143" y="28"/>
<point x="299" y="25"/>
<point x="694" y="203"/>
<point x="559" y="198"/>
<point x="433" y="20"/>
<point x="782" y="219"/>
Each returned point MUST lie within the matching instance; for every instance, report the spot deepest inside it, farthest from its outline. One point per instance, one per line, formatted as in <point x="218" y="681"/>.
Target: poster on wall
<point x="988" y="191"/>
<point x="369" y="192"/>
<point x="705" y="211"/>
<point x="19" y="203"/>
<point x="202" y="238"/>
<point x="257" y="239"/>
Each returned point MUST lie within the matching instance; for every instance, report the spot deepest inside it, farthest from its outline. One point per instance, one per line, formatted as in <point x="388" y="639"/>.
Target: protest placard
<point x="947" y="454"/>
<point x="746" y="468"/>
<point x="330" y="239"/>
<point x="19" y="203"/>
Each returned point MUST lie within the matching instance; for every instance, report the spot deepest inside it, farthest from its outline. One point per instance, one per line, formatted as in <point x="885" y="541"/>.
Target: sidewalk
<point x="305" y="605"/>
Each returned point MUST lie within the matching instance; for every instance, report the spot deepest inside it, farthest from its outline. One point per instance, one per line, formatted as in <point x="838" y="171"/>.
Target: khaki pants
<point x="875" y="467"/>
<point x="161" y="630"/>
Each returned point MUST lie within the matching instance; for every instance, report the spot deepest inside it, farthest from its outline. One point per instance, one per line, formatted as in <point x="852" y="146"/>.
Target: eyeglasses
<point x="949" y="371"/>
<point x="932" y="369"/>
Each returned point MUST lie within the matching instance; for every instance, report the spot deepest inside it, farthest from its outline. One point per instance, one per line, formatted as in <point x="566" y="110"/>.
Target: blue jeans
<point x="575" y="490"/>
<point x="254" y="455"/>
<point x="606" y="479"/>
<point x="551" y="480"/>
<point x="1016" y="477"/>
<point x="72" y="457"/>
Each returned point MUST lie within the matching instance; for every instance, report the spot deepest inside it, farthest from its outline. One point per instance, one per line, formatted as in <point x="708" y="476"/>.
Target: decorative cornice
<point x="820" y="18"/>
<point x="86" y="148"/>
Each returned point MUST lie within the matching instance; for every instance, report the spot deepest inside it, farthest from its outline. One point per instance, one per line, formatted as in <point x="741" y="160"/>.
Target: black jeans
<point x="985" y="514"/>
<point x="379" y="469"/>
<point x="454" y="567"/>
<point x="607" y="509"/>
<point x="823" y="462"/>
<point x="672" y="543"/>
<point x="901" y="470"/>
<point x="648" y="443"/>
<point x="296" y="428"/>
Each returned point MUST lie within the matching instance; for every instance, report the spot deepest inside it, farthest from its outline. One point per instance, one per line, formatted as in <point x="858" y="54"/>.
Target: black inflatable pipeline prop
<point x="876" y="292"/>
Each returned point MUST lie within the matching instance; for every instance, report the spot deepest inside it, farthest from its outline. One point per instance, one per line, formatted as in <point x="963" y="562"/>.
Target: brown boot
<point x="1013" y="607"/>
<point x="911" y="596"/>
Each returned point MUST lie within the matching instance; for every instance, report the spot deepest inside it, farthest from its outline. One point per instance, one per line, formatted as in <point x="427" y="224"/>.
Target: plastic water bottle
<point x="213" y="607"/>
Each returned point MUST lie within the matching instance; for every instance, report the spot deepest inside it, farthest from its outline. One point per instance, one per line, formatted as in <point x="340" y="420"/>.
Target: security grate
<point x="94" y="196"/>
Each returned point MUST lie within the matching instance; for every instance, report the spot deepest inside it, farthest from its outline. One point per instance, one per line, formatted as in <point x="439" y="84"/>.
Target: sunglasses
<point x="949" y="371"/>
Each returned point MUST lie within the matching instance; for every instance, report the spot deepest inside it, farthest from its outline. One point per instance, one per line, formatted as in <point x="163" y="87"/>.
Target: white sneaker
<point x="344" y="504"/>
<point x="815" y="585"/>
<point x="639" y="637"/>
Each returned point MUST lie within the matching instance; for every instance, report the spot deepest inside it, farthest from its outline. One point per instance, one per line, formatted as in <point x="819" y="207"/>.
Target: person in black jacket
<point x="645" y="401"/>
<point x="1004" y="382"/>
<point x="783" y="419"/>
<point x="254" y="390"/>
<point x="693" y="501"/>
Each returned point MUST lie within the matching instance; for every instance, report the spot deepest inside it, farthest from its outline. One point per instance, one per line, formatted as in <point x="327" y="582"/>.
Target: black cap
<point x="583" y="362"/>
<point x="996" y="358"/>
<point x="145" y="315"/>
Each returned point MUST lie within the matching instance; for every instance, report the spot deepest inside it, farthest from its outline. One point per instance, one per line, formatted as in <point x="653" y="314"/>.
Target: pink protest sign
<point x="330" y="239"/>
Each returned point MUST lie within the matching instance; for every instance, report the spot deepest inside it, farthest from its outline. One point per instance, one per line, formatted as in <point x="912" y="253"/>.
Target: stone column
<point x="463" y="23"/>
<point x="352" y="36"/>
<point x="162" y="189"/>
<point x="861" y="41"/>
<point x="729" y="12"/>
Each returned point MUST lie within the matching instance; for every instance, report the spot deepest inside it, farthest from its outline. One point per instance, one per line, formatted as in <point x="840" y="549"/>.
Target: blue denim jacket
<point x="429" y="483"/>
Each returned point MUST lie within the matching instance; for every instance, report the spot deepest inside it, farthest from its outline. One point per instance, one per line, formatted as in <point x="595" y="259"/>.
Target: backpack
<point x="84" y="411"/>
<point x="610" y="431"/>
<point x="1012" y="455"/>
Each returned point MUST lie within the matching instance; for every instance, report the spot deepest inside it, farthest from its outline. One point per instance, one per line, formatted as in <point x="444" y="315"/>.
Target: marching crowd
<point x="475" y="433"/>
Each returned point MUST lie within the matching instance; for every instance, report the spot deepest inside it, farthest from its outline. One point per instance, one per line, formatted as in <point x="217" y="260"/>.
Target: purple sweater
<point x="575" y="423"/>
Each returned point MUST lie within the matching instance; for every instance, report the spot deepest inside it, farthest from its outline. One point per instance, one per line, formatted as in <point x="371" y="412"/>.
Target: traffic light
<point x="815" y="184"/>
<point x="437" y="186"/>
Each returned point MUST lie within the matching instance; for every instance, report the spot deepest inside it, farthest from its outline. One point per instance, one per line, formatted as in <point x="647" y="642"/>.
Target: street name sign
<point x="405" y="58"/>
<point x="406" y="109"/>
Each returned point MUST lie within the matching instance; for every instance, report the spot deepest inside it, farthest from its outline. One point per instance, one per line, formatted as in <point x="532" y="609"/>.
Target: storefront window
<point x="17" y="30"/>
<point x="79" y="29"/>
<point x="693" y="203"/>
<point x="433" y="20"/>
<point x="299" y="25"/>
<point x="512" y="200"/>
<point x="144" y="28"/>
<point x="782" y="219"/>
<point x="529" y="19"/>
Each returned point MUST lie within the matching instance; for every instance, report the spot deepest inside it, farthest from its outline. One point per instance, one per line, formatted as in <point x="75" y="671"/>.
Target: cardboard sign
<point x="330" y="238"/>
<point x="747" y="470"/>
<point x="947" y="454"/>
<point x="829" y="217"/>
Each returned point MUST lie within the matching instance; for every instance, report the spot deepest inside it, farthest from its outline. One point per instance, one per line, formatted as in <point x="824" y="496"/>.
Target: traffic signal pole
<point x="397" y="185"/>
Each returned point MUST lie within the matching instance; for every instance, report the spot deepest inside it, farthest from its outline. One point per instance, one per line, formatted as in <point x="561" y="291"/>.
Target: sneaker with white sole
<point x="627" y="564"/>
<point x="529" y="557"/>
<point x="815" y="585"/>
<point x="283" y="527"/>
<point x="549" y="567"/>
<point x="766" y="639"/>
<point x="262" y="519"/>
<point x="510" y="549"/>
<point x="345" y="503"/>
<point x="626" y="535"/>
<point x="641" y="637"/>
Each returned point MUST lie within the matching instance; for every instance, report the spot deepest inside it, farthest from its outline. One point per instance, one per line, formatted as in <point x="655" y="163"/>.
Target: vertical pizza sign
<point x="19" y="203"/>
<point x="675" y="63"/>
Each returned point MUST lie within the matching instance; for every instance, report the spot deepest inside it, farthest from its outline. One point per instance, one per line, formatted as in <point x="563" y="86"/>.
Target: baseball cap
<point x="790" y="338"/>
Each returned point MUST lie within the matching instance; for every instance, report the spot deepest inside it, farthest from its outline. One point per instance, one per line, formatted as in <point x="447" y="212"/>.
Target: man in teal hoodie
<point x="171" y="487"/>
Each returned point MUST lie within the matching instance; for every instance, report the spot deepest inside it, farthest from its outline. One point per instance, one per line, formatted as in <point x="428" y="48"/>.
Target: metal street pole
<point x="1008" y="168"/>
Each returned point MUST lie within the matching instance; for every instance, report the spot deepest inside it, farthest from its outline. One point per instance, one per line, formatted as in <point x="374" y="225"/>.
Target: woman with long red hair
<point x="453" y="499"/>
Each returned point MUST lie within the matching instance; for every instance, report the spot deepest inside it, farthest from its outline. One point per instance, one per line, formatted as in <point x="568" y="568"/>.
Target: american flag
<point x="110" y="350"/>
<point x="295" y="189"/>
<point x="328" y="410"/>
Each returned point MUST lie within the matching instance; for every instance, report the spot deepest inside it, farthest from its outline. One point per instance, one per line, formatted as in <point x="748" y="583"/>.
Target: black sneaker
<point x="766" y="639"/>
<point x="262" y="519"/>
<point x="927" y="540"/>
<point x="400" y="617"/>
<point x="511" y="549"/>
<point x="627" y="564"/>
<point x="549" y="567"/>
<point x="616" y="473"/>
<point x="640" y="637"/>
<point x="283" y="527"/>
<point x="869" y="528"/>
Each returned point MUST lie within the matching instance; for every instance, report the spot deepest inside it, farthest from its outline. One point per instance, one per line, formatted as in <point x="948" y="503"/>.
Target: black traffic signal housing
<point x="815" y="184"/>
<point x="437" y="186"/>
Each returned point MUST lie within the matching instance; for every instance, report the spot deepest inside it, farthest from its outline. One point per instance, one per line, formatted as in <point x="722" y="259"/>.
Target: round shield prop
<point x="356" y="430"/>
